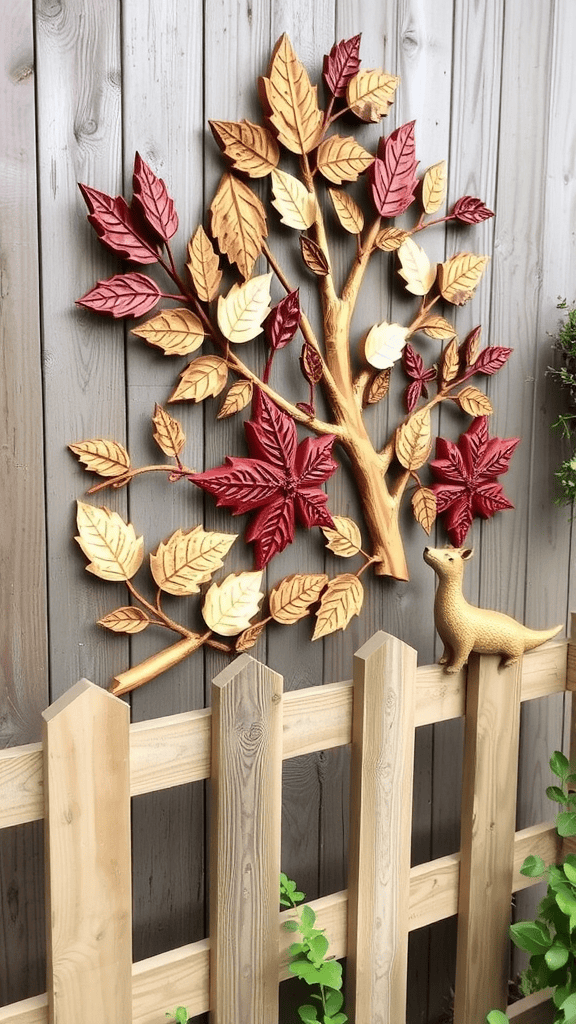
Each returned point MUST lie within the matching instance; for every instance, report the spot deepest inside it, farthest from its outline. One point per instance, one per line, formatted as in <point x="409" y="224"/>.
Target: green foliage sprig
<point x="566" y="422"/>
<point x="310" y="961"/>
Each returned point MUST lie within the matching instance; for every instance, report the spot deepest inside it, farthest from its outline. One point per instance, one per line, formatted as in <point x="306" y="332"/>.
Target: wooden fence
<point x="91" y="761"/>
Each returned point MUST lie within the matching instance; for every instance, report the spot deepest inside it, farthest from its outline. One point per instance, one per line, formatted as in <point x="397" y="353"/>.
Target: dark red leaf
<point x="271" y="530"/>
<point x="490" y="498"/>
<point x="310" y="364"/>
<point x="314" y="462"/>
<point x="152" y="200"/>
<point x="241" y="484"/>
<point x="471" y="210"/>
<point x="448" y="464"/>
<point x="459" y="518"/>
<point x="271" y="433"/>
<point x="115" y="225"/>
<point x="306" y="407"/>
<point x="412" y="363"/>
<point x="492" y="359"/>
<point x="496" y="458"/>
<point x="283" y="321"/>
<point x="393" y="173"/>
<point x="412" y="395"/>
<point x="311" y="508"/>
<point x="122" y="295"/>
<point x="341" y="64"/>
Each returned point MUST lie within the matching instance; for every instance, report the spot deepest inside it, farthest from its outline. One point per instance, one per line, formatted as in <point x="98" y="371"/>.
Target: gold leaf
<point x="242" y="312"/>
<point x="379" y="387"/>
<point x="370" y="94"/>
<point x="237" y="398"/>
<point x="414" y="441"/>
<point x="106" y="458"/>
<point x="238" y="221"/>
<point x="474" y="402"/>
<point x="434" y="187"/>
<point x="417" y="270"/>
<point x="249" y="638"/>
<point x="458" y="277"/>
<point x="229" y="606"/>
<point x="204" y="266"/>
<point x="176" y="331"/>
<point x="391" y="238"/>
<point x="314" y="257"/>
<point x="125" y="620"/>
<point x="291" y="599"/>
<point x="437" y="327"/>
<point x="424" y="507"/>
<point x="110" y="544"/>
<point x="253" y="148"/>
<point x="345" y="539"/>
<point x="189" y="558"/>
<point x="384" y="343"/>
<point x="342" y="159"/>
<point x="291" y="100"/>
<point x="341" y="600"/>
<point x="202" y="377"/>
<point x="347" y="210"/>
<point x="295" y="204"/>
<point x="168" y="435"/>
<point x="450" y="361"/>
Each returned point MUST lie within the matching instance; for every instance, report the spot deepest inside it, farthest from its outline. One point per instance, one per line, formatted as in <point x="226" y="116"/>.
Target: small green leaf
<point x="330" y="973"/>
<point x="556" y="956"/>
<point x="333" y="1001"/>
<point x="338" y="1018"/>
<point x="556" y="794"/>
<point x="307" y="1014"/>
<point x="308" y="917"/>
<point x="533" y="867"/>
<point x="297" y="948"/>
<point x="319" y="948"/>
<point x="570" y="868"/>
<point x="305" y="970"/>
<point x="531" y="936"/>
<point x="566" y="824"/>
<point x="560" y="765"/>
<point x="291" y="926"/>
<point x="497" y="1017"/>
<point x="180" y="1014"/>
<point x="567" y="903"/>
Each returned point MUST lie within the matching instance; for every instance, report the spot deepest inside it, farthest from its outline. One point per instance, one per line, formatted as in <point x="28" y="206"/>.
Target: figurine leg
<point x="506" y="662"/>
<point x="446" y="655"/>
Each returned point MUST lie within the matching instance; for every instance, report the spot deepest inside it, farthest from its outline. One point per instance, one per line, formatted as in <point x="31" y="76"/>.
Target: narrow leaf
<point x="424" y="508"/>
<point x="434" y="187"/>
<point x="238" y="397"/>
<point x="314" y="257"/>
<point x="204" y="266"/>
<point x="248" y="639"/>
<point x="393" y="173"/>
<point x="177" y="332"/>
<point x="390" y="239"/>
<point x="492" y="359"/>
<point x="311" y="364"/>
<point x="341" y="64"/>
<point x="122" y="295"/>
<point x="379" y="387"/>
<point x="168" y="435"/>
<point x="114" y="223"/>
<point x="417" y="270"/>
<point x="471" y="211"/>
<point x="152" y="200"/>
<point x="125" y="620"/>
<point x="347" y="210"/>
<point x="450" y="363"/>
<point x="414" y="441"/>
<point x="238" y="221"/>
<point x="290" y="100"/>
<point x="283" y="321"/>
<point x="437" y="327"/>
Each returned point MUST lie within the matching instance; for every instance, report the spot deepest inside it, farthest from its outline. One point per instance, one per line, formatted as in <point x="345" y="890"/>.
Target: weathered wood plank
<point x="535" y="1009"/>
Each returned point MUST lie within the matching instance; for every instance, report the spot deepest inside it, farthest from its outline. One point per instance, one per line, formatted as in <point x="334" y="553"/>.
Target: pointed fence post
<point x="89" y="898"/>
<point x="488" y="822"/>
<point x="246" y="804"/>
<point x="380" y="829"/>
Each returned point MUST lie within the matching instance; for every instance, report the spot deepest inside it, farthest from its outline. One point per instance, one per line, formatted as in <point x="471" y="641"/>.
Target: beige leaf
<point x="189" y="558"/>
<point x="342" y="159"/>
<point x="295" y="204"/>
<point x="341" y="600"/>
<point x="168" y="435"/>
<point x="345" y="539"/>
<point x="474" y="402"/>
<point x="249" y="638"/>
<point x="347" y="210"/>
<point x="434" y="187"/>
<point x="450" y="362"/>
<point x="202" y="377"/>
<point x="106" y="458"/>
<point x="253" y="149"/>
<point x="391" y="238"/>
<point x="458" y="277"/>
<point x="417" y="270"/>
<point x="370" y="94"/>
<point x="424" y="507"/>
<point x="243" y="310"/>
<point x="176" y="331"/>
<point x="291" y="100"/>
<point x="414" y="441"/>
<point x="204" y="266"/>
<point x="110" y="544"/>
<point x="237" y="398"/>
<point x="238" y="221"/>
<point x="379" y="387"/>
<point x="292" y="598"/>
<point x="437" y="327"/>
<point x="229" y="606"/>
<point x="125" y="620"/>
<point x="384" y="343"/>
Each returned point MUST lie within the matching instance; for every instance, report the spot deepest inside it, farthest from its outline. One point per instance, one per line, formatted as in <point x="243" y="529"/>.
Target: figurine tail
<point x="535" y="637"/>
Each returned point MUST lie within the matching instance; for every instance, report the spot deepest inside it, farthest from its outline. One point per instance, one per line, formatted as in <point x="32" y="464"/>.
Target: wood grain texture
<point x="535" y="1009"/>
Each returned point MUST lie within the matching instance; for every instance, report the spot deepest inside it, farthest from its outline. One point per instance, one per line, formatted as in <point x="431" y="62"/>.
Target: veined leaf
<point x="292" y="597"/>
<point x="379" y="387"/>
<point x="450" y="363"/>
<point x="178" y="332"/>
<point x="393" y="173"/>
<point x="390" y="239"/>
<point x="341" y="600"/>
<point x="189" y="558"/>
<point x="204" y="266"/>
<point x="106" y="458"/>
<point x="122" y="295"/>
<point x="295" y="204"/>
<point x="474" y="402"/>
<point x="345" y="539"/>
<point x="152" y="200"/>
<point x="342" y="159"/>
<point x="229" y="606"/>
<point x="414" y="441"/>
<point x="111" y="545"/>
<point x="243" y="310"/>
<point x="238" y="397"/>
<point x="341" y="64"/>
<point x="347" y="210"/>
<point x="291" y="101"/>
<point x="314" y="256"/>
<point x="437" y="327"/>
<point x="384" y="343"/>
<point x="202" y="378"/>
<point x="249" y="638"/>
<point x="168" y="435"/>
<point x="417" y="270"/>
<point x="458" y="277"/>
<point x="130" y="619"/>
<point x="252" y="148"/>
<point x="424" y="507"/>
<point x="434" y="187"/>
<point x="238" y="222"/>
<point x="370" y="94"/>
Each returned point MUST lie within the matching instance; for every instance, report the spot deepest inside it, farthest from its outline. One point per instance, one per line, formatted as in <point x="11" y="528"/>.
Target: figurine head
<point x="448" y="562"/>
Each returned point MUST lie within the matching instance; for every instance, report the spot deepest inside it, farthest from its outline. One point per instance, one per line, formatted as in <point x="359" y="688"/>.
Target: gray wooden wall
<point x="83" y="84"/>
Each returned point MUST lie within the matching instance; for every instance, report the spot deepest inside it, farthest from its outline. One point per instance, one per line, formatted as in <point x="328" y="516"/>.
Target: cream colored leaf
<point x="202" y="378"/>
<point x="384" y="343"/>
<point x="459" y="276"/>
<point x="238" y="221"/>
<point x="292" y="597"/>
<point x="243" y="310"/>
<point x="474" y="402"/>
<point x="414" y="441"/>
<point x="253" y="148"/>
<point x="347" y="210"/>
<point x="168" y="435"/>
<point x="106" y="458"/>
<point x="450" y="362"/>
<point x="237" y="398"/>
<point x="189" y="558"/>
<point x="342" y="159"/>
<point x="434" y="187"/>
<point x="370" y="94"/>
<point x="229" y="606"/>
<point x="424" y="507"/>
<point x="292" y="101"/>
<point x="111" y="545"/>
<point x="345" y="539"/>
<point x="417" y="270"/>
<point x="437" y="327"/>
<point x="295" y="204"/>
<point x="176" y="331"/>
<point x="341" y="600"/>
<point x="249" y="638"/>
<point x="390" y="239"/>
<point x="204" y="266"/>
<point x="125" y="620"/>
<point x="379" y="387"/>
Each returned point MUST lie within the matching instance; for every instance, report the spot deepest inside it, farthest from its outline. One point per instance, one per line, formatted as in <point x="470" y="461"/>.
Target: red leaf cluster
<point x="114" y="223"/>
<point x="471" y="210"/>
<point x="341" y="64"/>
<point x="392" y="176"/>
<point x="492" y="359"/>
<point x="413" y="366"/>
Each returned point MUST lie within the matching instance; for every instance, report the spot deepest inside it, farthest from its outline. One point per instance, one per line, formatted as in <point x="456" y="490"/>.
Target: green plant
<point x="310" y="961"/>
<point x="566" y="376"/>
<point x="180" y="1015"/>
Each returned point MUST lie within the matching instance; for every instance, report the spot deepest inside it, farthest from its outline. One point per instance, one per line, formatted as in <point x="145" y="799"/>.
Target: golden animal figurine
<point x="464" y="628"/>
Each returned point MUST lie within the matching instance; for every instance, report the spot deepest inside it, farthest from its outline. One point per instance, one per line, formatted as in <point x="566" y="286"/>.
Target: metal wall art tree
<point x="278" y="483"/>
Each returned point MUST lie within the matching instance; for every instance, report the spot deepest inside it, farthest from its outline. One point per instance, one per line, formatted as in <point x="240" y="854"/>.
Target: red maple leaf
<point x="280" y="481"/>
<point x="466" y="477"/>
<point x="414" y="368"/>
